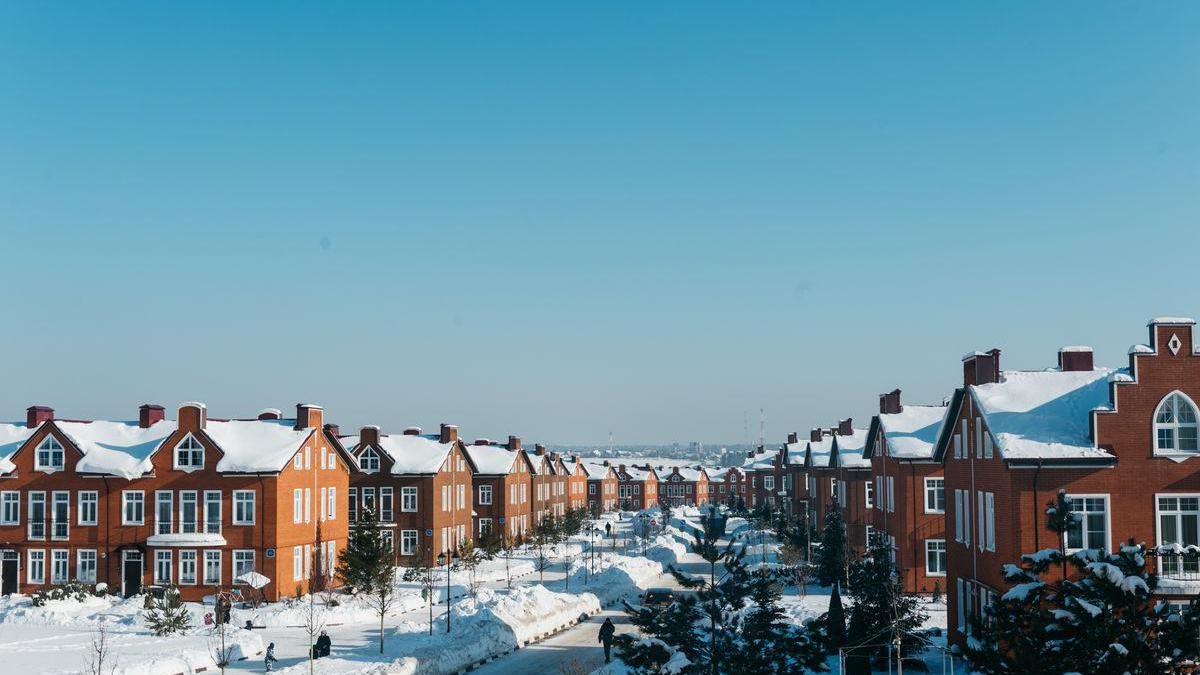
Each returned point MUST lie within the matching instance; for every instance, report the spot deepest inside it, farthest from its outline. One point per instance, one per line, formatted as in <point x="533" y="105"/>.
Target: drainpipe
<point x="262" y="530"/>
<point x="107" y="535"/>
<point x="916" y="541"/>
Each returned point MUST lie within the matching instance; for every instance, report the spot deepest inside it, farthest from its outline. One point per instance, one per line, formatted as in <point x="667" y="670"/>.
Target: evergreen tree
<point x="879" y="596"/>
<point x="1060" y="518"/>
<point x="856" y="658"/>
<point x="167" y="615"/>
<point x="366" y="558"/>
<point x="769" y="643"/>
<point x="831" y="557"/>
<point x="1104" y="619"/>
<point x="835" y="618"/>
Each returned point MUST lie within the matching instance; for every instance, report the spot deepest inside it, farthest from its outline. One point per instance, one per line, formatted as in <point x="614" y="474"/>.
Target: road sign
<point x="428" y="533"/>
<point x="270" y="553"/>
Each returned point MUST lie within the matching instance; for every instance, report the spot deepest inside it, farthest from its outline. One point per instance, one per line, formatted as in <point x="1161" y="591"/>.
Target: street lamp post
<point x="443" y="558"/>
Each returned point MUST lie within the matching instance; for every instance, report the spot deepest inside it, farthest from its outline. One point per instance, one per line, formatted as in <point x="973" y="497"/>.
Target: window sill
<point x="1177" y="457"/>
<point x="934" y="574"/>
<point x="935" y="513"/>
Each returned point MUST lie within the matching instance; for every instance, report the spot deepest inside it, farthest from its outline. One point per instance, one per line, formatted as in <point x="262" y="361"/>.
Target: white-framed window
<point x="958" y="449"/>
<point x="989" y="503"/>
<point x="980" y="516"/>
<point x="352" y="504"/>
<point x="987" y="445"/>
<point x="445" y="497"/>
<point x="307" y="458"/>
<point x="88" y="501"/>
<point x="133" y="507"/>
<point x="189" y="454"/>
<point x="164" y="507"/>
<point x="1178" y="525"/>
<point x="243" y="562"/>
<point x="187" y="568"/>
<point x="189" y="512"/>
<point x="870" y="534"/>
<point x="869" y="494"/>
<point x="408" y="542"/>
<point x="959" y="607"/>
<point x="308" y="505"/>
<point x="1091" y="529"/>
<point x="35" y="566"/>
<point x="212" y="567"/>
<point x="212" y="511"/>
<point x="331" y="509"/>
<point x="85" y="565"/>
<point x="591" y="488"/>
<point x="768" y="482"/>
<point x="524" y="493"/>
<point x="462" y="496"/>
<point x="385" y="505"/>
<point x="388" y="539"/>
<point x="485" y="527"/>
<point x="485" y="494"/>
<point x="298" y="461"/>
<point x="243" y="507"/>
<point x="297" y="505"/>
<point x="10" y="507"/>
<point x="368" y="501"/>
<point x="297" y="563"/>
<point x="935" y="495"/>
<point x="308" y="560"/>
<point x="60" y="515"/>
<point x="368" y="460"/>
<point x="891" y="494"/>
<point x="162" y="567"/>
<point x="1175" y="425"/>
<point x="60" y="568"/>
<point x="37" y="514"/>
<point x="50" y="456"/>
<point x="321" y="503"/>
<point x="958" y="514"/>
<point x="408" y="499"/>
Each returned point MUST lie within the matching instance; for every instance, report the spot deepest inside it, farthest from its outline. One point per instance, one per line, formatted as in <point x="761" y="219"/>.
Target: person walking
<point x="323" y="644"/>
<point x="607" y="631"/>
<point x="270" y="659"/>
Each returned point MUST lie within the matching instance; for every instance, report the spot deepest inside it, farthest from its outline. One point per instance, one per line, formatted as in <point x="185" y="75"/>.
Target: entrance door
<point x="8" y="572"/>
<point x="131" y="574"/>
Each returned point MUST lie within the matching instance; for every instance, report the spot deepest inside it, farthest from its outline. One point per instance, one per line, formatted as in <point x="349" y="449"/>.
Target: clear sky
<point x="564" y="219"/>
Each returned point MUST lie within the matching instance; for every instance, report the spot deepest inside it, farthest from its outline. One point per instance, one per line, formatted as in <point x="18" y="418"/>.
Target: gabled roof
<point x="719" y="474"/>
<point x="253" y="446"/>
<point x="911" y="433"/>
<point x="572" y="465"/>
<point x="492" y="459"/>
<point x="686" y="472"/>
<point x="1044" y="414"/>
<point x="819" y="453"/>
<point x="415" y="454"/>
<point x="763" y="459"/>
<point x="115" y="448"/>
<point x="847" y="450"/>
<point x="597" y="470"/>
<point x="637" y="473"/>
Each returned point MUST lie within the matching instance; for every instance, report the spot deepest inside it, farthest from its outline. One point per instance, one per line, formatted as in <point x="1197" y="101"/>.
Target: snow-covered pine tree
<point x="366" y="559"/>
<point x="167" y="615"/>
<point x="831" y="558"/>
<point x="1104" y="618"/>
<point x="879" y="595"/>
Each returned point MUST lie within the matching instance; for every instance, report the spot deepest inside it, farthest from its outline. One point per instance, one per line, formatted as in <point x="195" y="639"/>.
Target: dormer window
<point x="368" y="461"/>
<point x="50" y="455"/>
<point x="1175" y="425"/>
<point x="189" y="455"/>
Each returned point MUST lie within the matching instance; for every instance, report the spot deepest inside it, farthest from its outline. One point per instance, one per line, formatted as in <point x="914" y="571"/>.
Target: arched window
<point x="50" y="454"/>
<point x="1175" y="424"/>
<point x="189" y="454"/>
<point x="368" y="461"/>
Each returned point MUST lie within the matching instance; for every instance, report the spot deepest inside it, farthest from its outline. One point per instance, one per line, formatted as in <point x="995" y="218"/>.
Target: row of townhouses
<point x="959" y="488"/>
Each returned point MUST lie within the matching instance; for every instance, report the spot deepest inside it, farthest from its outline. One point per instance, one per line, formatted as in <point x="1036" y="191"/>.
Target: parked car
<point x="658" y="598"/>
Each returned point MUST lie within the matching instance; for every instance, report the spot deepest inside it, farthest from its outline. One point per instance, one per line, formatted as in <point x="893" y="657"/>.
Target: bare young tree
<point x="314" y="624"/>
<point x="99" y="661"/>
<point x="219" y="646"/>
<point x="417" y="571"/>
<point x="469" y="558"/>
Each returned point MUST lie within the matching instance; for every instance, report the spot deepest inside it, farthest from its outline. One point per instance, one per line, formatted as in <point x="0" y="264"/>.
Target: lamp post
<point x="443" y="558"/>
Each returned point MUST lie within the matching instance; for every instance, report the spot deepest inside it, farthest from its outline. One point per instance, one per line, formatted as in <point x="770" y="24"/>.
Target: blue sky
<point x="564" y="219"/>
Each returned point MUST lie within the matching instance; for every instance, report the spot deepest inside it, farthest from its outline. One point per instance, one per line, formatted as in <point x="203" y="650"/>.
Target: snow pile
<point x="665" y="549"/>
<point x="199" y="655"/>
<point x="614" y="576"/>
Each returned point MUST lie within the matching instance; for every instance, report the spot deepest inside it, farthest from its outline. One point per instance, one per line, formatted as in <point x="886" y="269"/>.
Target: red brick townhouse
<point x="770" y="474"/>
<point x="1121" y="443"/>
<point x="822" y="479"/>
<point x="851" y="483"/>
<point x="419" y="486"/>
<point x="542" y="482"/>
<point x="726" y="486"/>
<point x="909" y="494"/>
<point x="501" y="488"/>
<point x="577" y="482"/>
<point x="682" y="485"/>
<point x="560" y="481"/>
<point x="197" y="502"/>
<point x="637" y="487"/>
<point x="601" y="487"/>
<point x="797" y="474"/>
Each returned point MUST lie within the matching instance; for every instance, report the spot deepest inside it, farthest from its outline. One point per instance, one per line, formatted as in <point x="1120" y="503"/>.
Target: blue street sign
<point x="428" y="533"/>
<point x="501" y="519"/>
<point x="270" y="553"/>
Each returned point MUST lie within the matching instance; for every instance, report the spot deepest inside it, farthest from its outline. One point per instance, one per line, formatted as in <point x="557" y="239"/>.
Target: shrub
<point x="72" y="590"/>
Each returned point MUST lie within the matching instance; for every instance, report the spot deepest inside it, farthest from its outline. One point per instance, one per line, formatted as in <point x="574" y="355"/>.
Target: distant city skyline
<point x="564" y="221"/>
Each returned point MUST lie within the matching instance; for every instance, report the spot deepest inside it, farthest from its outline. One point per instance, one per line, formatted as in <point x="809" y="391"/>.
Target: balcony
<point x="1178" y="570"/>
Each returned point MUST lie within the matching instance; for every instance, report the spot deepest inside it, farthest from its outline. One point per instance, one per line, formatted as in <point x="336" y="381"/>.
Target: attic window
<point x="1175" y="425"/>
<point x="189" y="454"/>
<point x="50" y="455"/>
<point x="368" y="461"/>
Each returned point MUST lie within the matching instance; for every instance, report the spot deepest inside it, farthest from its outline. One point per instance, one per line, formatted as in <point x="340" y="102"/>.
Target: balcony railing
<point x="1178" y="563"/>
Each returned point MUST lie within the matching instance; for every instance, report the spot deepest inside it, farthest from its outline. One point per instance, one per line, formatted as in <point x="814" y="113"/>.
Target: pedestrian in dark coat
<point x="323" y="644"/>
<point x="607" y="631"/>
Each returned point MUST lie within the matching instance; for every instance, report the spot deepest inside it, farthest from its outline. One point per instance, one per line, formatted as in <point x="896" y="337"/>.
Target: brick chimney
<point x="514" y="443"/>
<point x="1071" y="359"/>
<point x="981" y="367"/>
<point x="845" y="427"/>
<point x="150" y="414"/>
<point x="481" y="441"/>
<point x="1175" y="338"/>
<point x="889" y="403"/>
<point x="36" y="414"/>
<point x="749" y="454"/>
<point x="449" y="433"/>
<point x="539" y="450"/>
<point x="814" y="435"/>
<point x="333" y="430"/>
<point x="309" y="416"/>
<point x="621" y="468"/>
<point x="270" y="414"/>
<point x="412" y="431"/>
<point x="193" y="415"/>
<point x="369" y="434"/>
<point x="606" y="463"/>
<point x="793" y="438"/>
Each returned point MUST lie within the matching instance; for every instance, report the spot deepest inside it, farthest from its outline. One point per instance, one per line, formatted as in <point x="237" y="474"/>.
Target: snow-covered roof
<point x="719" y="474"/>
<point x="850" y="449"/>
<point x="414" y="454"/>
<point x="796" y="452"/>
<point x="686" y="472"/>
<point x="571" y="465"/>
<point x="12" y="436"/>
<point x="1179" y="320"/>
<point x="1044" y="414"/>
<point x="249" y="446"/>
<point x="596" y="469"/>
<point x="764" y="459"/>
<point x="912" y="433"/>
<point x="819" y="451"/>
<point x="636" y="473"/>
<point x="491" y="459"/>
<point x="116" y="448"/>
